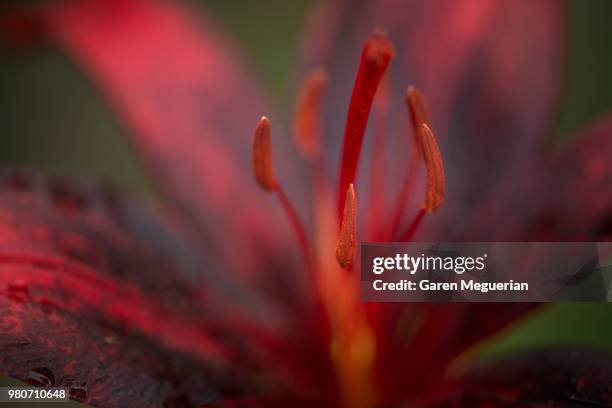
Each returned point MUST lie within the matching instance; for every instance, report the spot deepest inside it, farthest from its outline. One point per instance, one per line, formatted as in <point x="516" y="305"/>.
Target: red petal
<point x="567" y="197"/>
<point x="427" y="337"/>
<point x="559" y="378"/>
<point x="491" y="71"/>
<point x="190" y="108"/>
<point x="92" y="294"/>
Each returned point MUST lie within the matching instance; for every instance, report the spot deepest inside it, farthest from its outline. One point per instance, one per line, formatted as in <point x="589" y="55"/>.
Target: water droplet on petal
<point x="110" y="339"/>
<point x="41" y="377"/>
<point x="77" y="390"/>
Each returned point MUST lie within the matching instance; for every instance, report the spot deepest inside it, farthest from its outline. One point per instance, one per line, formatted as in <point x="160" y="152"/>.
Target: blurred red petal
<point x="173" y="79"/>
<point x="564" y="197"/>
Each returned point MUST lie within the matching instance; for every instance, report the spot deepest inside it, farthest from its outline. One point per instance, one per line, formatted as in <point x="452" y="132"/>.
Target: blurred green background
<point x="52" y="118"/>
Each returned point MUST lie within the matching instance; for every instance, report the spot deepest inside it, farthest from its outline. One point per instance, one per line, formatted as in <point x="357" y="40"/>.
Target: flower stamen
<point x="419" y="115"/>
<point x="435" y="182"/>
<point x="307" y="120"/>
<point x="376" y="55"/>
<point x="264" y="174"/>
<point x="435" y="186"/>
<point x="262" y="156"/>
<point x="345" y="249"/>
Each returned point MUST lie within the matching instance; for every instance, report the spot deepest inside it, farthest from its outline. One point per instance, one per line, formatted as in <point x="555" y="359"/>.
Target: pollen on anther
<point x="262" y="156"/>
<point x="418" y="107"/>
<point x="419" y="115"/>
<point x="435" y="183"/>
<point x="345" y="248"/>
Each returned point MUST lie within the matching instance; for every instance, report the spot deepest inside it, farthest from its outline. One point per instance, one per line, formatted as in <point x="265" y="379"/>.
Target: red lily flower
<point x="207" y="299"/>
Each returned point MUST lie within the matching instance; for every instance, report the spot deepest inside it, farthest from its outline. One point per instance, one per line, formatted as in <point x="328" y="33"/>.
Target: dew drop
<point x="41" y="377"/>
<point x="110" y="339"/>
<point x="77" y="390"/>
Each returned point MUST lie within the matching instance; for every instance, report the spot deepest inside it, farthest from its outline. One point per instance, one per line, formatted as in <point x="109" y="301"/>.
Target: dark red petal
<point x="566" y="197"/>
<point x="101" y="293"/>
<point x="558" y="378"/>
<point x="426" y="338"/>
<point x="190" y="107"/>
<point x="99" y="365"/>
<point x="490" y="70"/>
